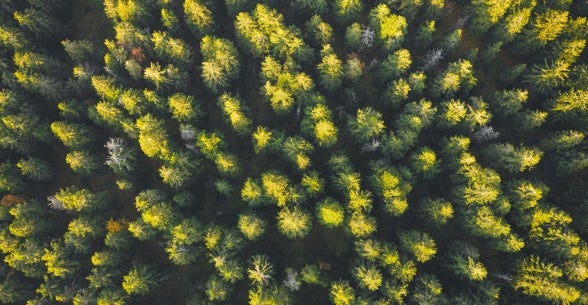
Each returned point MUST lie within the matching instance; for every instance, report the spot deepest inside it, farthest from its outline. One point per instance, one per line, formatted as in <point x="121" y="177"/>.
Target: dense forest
<point x="345" y="152"/>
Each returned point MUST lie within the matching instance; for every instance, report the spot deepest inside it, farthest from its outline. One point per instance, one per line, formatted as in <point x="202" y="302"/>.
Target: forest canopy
<point x="344" y="152"/>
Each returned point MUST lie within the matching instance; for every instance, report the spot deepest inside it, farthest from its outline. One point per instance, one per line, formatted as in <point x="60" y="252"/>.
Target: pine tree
<point x="140" y="280"/>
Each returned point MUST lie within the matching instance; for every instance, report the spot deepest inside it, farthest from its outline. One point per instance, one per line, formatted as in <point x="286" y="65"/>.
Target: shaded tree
<point x="464" y="262"/>
<point x="367" y="125"/>
<point x="428" y="290"/>
<point x="347" y="11"/>
<point x="436" y="212"/>
<point x="418" y="244"/>
<point x="217" y="289"/>
<point x="319" y="31"/>
<point x="139" y="280"/>
<point x="506" y="156"/>
<point x="82" y="162"/>
<point x="34" y="168"/>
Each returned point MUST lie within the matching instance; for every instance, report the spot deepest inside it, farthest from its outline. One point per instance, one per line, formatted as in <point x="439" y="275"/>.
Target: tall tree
<point x="198" y="17"/>
<point x="220" y="62"/>
<point x="140" y="279"/>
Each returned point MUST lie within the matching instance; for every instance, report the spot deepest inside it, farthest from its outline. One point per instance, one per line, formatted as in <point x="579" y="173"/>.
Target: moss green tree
<point x="34" y="168"/>
<point x="418" y="244"/>
<point x="464" y="262"/>
<point x="347" y="11"/>
<point x="367" y="125"/>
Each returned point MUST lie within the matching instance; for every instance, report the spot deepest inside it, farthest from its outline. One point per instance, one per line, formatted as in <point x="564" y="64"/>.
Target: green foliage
<point x="418" y="244"/>
<point x="515" y="160"/>
<point x="217" y="289"/>
<point x="273" y="295"/>
<point x="390" y="28"/>
<point x="347" y="11"/>
<point x="485" y="14"/>
<point x="330" y="69"/>
<point x="545" y="78"/>
<point x="82" y="162"/>
<point x="251" y="225"/>
<point x="294" y="222"/>
<point x="71" y="135"/>
<point x="425" y="163"/>
<point x="392" y="188"/>
<point x="140" y="280"/>
<point x="263" y="33"/>
<point x="459" y="75"/>
<point x="543" y="280"/>
<point x="184" y="108"/>
<point x="436" y="211"/>
<point x="572" y="104"/>
<point x="75" y="199"/>
<point x="171" y="49"/>
<point x="198" y="17"/>
<point x="425" y="33"/>
<point x="396" y="64"/>
<point x="160" y="216"/>
<point x="318" y="123"/>
<point x="353" y="36"/>
<point x="296" y="150"/>
<point x="319" y="31"/>
<point x="220" y="62"/>
<point x="153" y="139"/>
<point x="57" y="261"/>
<point x="464" y="121"/>
<point x="341" y="293"/>
<point x="463" y="260"/>
<point x="313" y="184"/>
<point x="283" y="84"/>
<point x="361" y="225"/>
<point x="548" y="25"/>
<point x="311" y="274"/>
<point x="330" y="213"/>
<point x="367" y="125"/>
<point x="369" y="277"/>
<point x="278" y="188"/>
<point x="549" y="230"/>
<point x="34" y="168"/>
<point x="236" y="113"/>
<point x="428" y="290"/>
